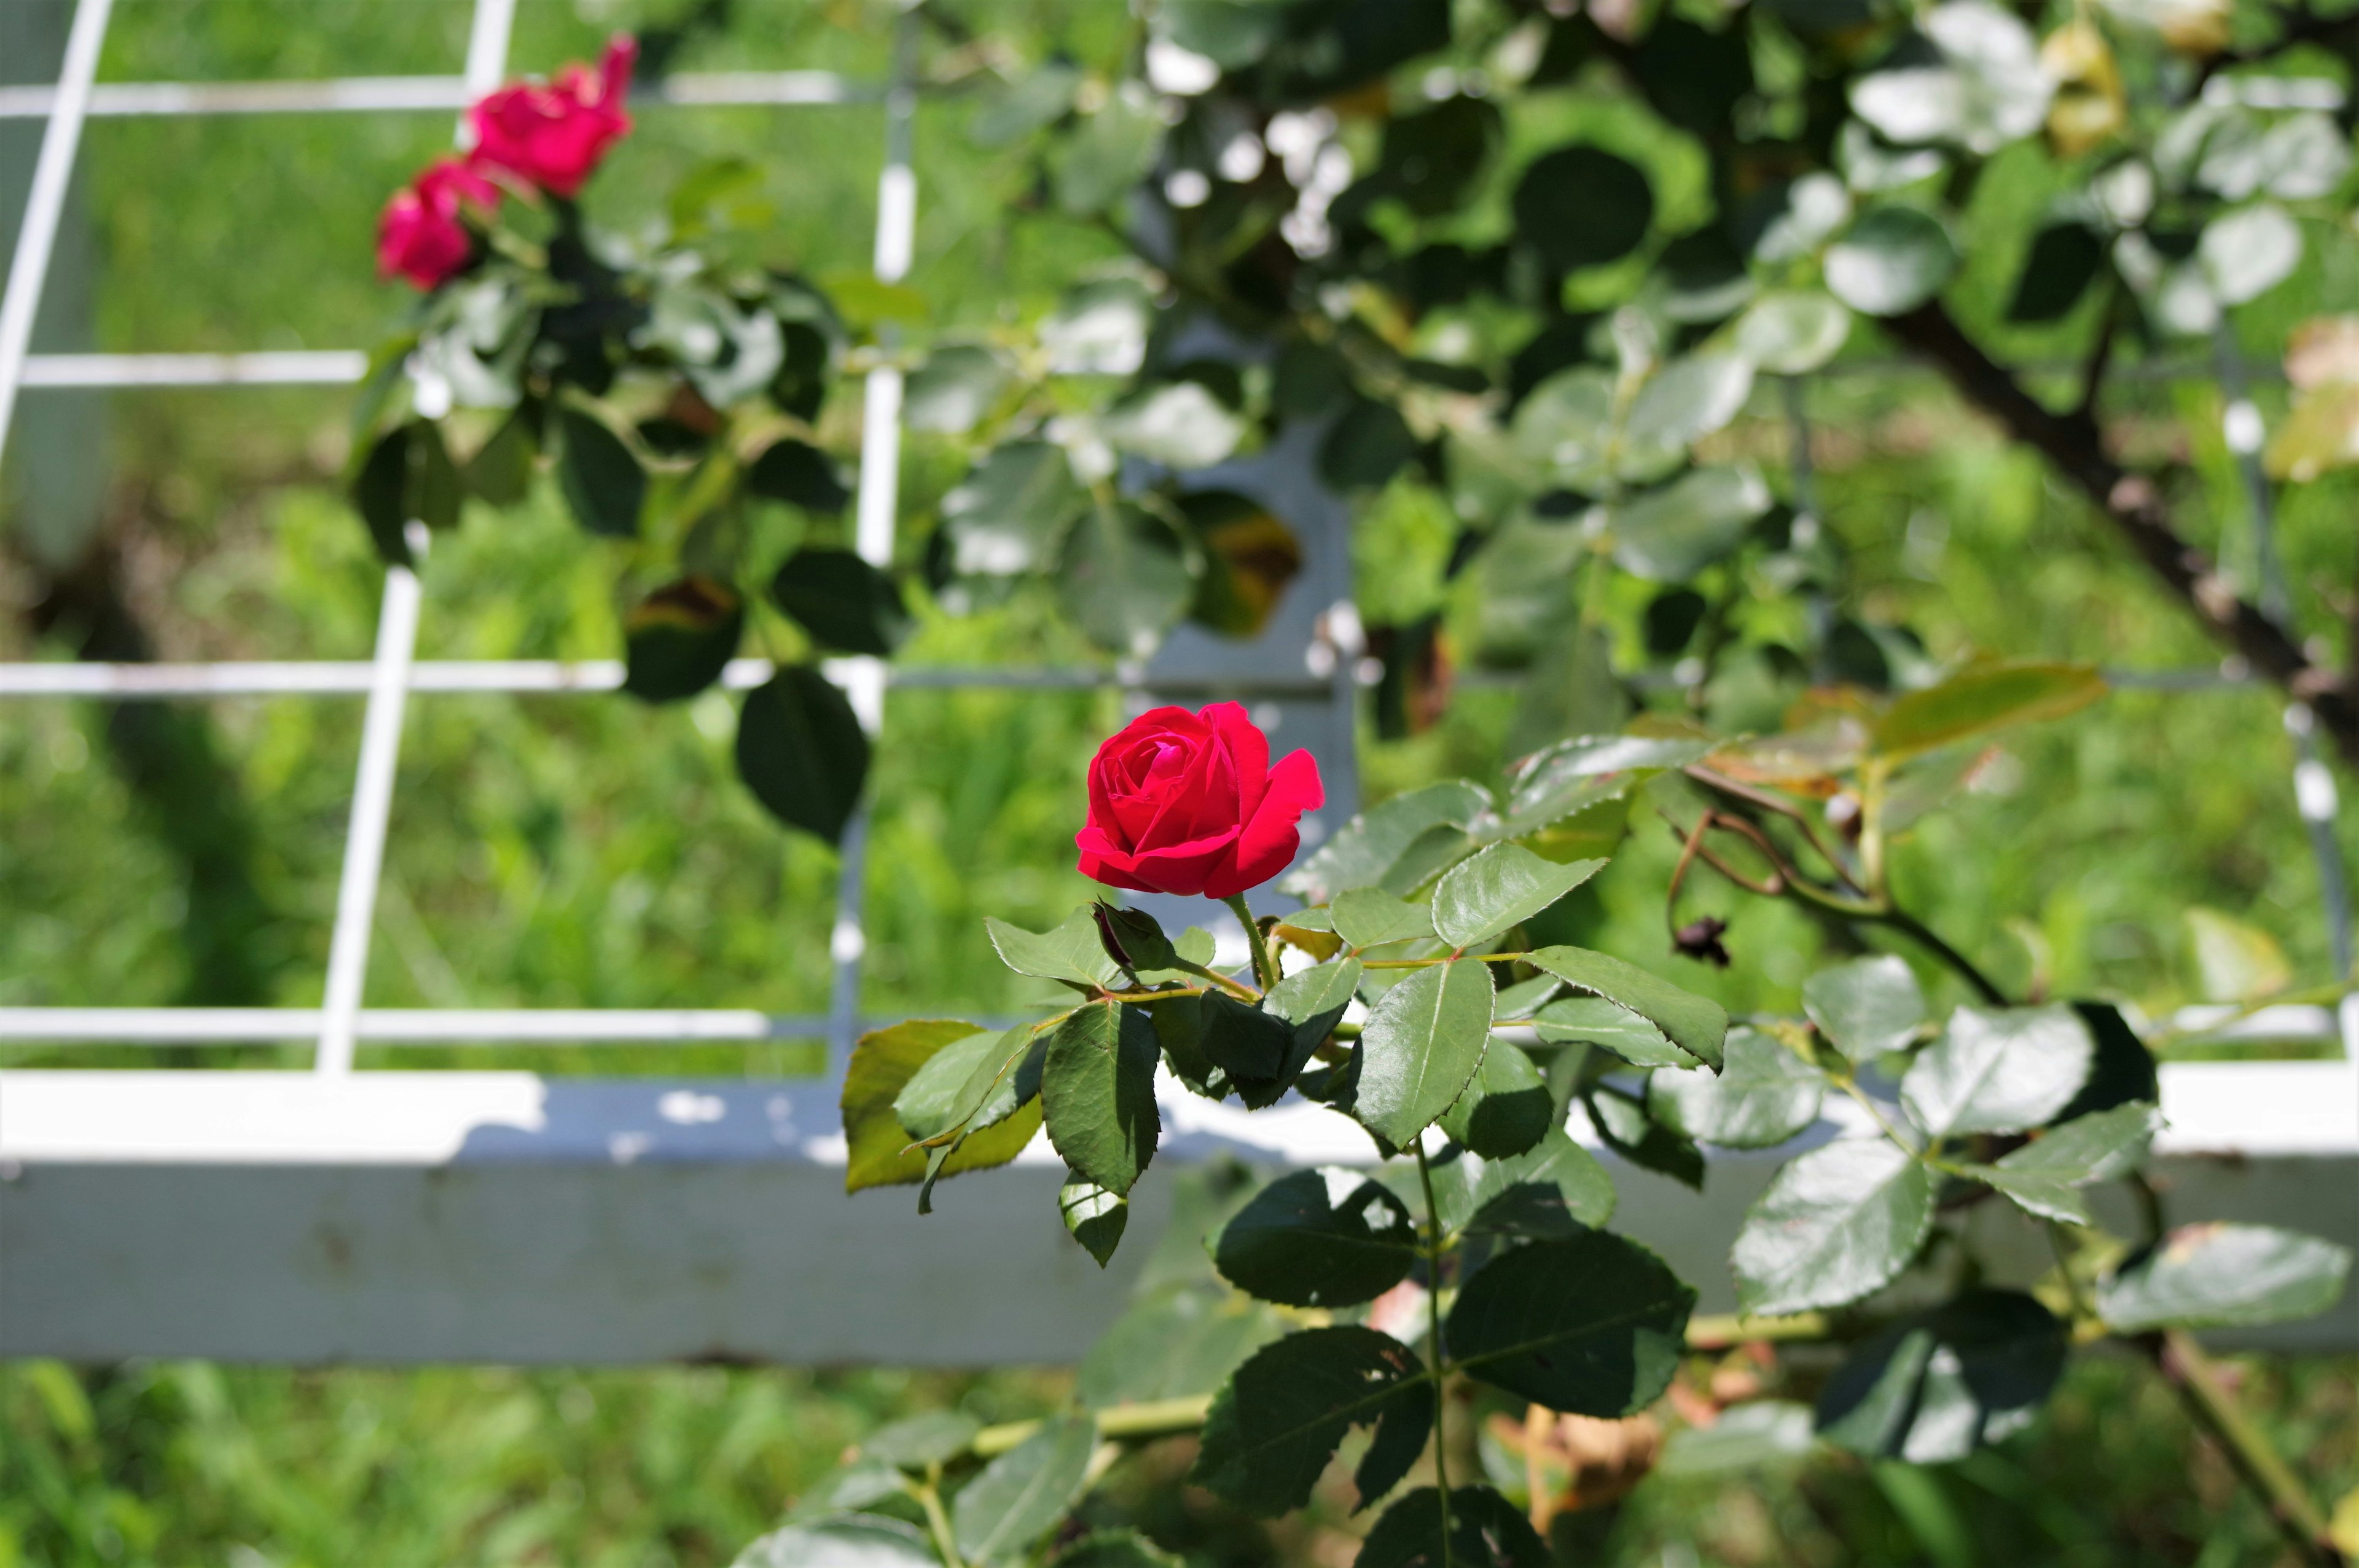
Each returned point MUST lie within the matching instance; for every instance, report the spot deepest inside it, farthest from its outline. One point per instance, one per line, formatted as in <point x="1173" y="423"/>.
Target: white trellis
<point x="395" y="1215"/>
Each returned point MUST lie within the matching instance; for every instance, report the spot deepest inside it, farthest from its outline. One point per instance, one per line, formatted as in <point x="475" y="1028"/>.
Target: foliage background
<point x="583" y="852"/>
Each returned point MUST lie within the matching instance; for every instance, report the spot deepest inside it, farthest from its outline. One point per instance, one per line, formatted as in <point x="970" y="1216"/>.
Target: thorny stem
<point x="1439" y="1369"/>
<point x="2183" y="1364"/>
<point x="1264" y="971"/>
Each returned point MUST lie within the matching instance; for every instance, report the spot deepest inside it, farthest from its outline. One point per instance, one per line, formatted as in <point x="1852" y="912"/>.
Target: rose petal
<point x="1266" y="844"/>
<point x="1248" y="751"/>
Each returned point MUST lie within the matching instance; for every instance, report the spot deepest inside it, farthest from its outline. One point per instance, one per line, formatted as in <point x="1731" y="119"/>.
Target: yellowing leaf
<point x="1983" y="697"/>
<point x="2234" y="961"/>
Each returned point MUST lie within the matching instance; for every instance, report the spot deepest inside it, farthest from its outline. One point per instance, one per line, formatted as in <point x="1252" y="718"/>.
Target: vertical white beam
<point x="396" y="648"/>
<point x="45" y="203"/>
<point x="879" y="498"/>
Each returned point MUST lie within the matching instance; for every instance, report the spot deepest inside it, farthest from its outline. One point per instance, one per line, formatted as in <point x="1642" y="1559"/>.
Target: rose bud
<point x="420" y="237"/>
<point x="1700" y="939"/>
<point x="553" y="134"/>
<point x="1187" y="803"/>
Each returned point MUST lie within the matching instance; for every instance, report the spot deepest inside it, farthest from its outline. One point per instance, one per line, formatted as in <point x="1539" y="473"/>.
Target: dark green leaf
<point x="1038" y="98"/>
<point x="956" y="387"/>
<point x="930" y="1437"/>
<point x="1072" y="953"/>
<point x="1998" y="1070"/>
<point x="1174" y="1343"/>
<point x="436" y="490"/>
<point x="1984" y="698"/>
<point x="1132" y="938"/>
<point x="799" y="474"/>
<point x="1893" y="260"/>
<point x="381" y="493"/>
<point x="1679" y="405"/>
<point x="842" y="601"/>
<point x="602" y="480"/>
<point x="1097" y="1093"/>
<point x="2225" y="1276"/>
<point x="801" y="751"/>
<point x="1506" y="1110"/>
<point x="1591" y="1020"/>
<point x="1277" y="1423"/>
<point x="2063" y="261"/>
<point x="1484" y="1531"/>
<point x="864" y="1542"/>
<point x="1329" y="1238"/>
<point x="1366" y="917"/>
<point x="1558" y="1189"/>
<point x="1572" y="776"/>
<point x="1419" y="1047"/>
<point x="679" y="638"/>
<point x="1125" y="580"/>
<point x="1524" y="998"/>
<point x="1023" y="1494"/>
<point x="1866" y="1007"/>
<point x="1366" y="447"/>
<point x="1372" y="845"/>
<point x="848" y="1488"/>
<point x="1694" y="1024"/>
<point x="1835" y="1224"/>
<point x="1937" y="1385"/>
<point x="1671" y="534"/>
<point x="2124" y="1071"/>
<point x="1261" y="1049"/>
<point x="1624" y="1126"/>
<point x="1582" y="205"/>
<point x="1498" y="889"/>
<point x="1592" y="1325"/>
<point x="1109" y="152"/>
<point x="1011" y="514"/>
<point x="1762" y="1094"/>
<point x="882" y="1065"/>
<point x="1094" y="1216"/>
<point x="2095" y="1148"/>
<point x="1430" y="157"/>
<point x="1117" y="1549"/>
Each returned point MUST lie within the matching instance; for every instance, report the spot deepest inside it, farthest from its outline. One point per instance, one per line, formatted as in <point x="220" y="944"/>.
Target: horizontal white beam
<point x="401" y="1026"/>
<point x="321" y="367"/>
<point x="380" y="94"/>
<point x="349" y="677"/>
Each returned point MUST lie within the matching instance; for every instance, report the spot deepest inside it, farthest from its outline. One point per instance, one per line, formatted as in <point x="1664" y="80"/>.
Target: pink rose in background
<point x="420" y="237"/>
<point x="553" y="134"/>
<point x="1187" y="803"/>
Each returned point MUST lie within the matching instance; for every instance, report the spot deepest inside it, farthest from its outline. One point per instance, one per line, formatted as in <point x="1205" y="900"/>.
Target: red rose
<point x="1188" y="803"/>
<point x="420" y="237"/>
<point x="553" y="134"/>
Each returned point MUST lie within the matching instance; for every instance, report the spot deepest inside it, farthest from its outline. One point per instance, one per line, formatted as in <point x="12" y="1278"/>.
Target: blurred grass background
<point x="586" y="851"/>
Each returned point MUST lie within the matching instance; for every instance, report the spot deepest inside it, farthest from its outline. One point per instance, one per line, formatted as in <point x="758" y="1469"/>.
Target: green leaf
<point x="1506" y="1110"/>
<point x="2246" y="253"/>
<point x="1172" y="1345"/>
<point x="1792" y="332"/>
<point x="1565" y="427"/>
<point x="1558" y="1189"/>
<point x="1573" y="776"/>
<point x="1671" y="534"/>
<point x="1623" y="1125"/>
<point x="1745" y="1437"/>
<point x="2094" y="1148"/>
<point x="799" y="474"/>
<point x="2225" y="1276"/>
<point x="1111" y="152"/>
<point x="1132" y="938"/>
<point x="802" y="752"/>
<point x="1368" y="917"/>
<point x="1981" y="698"/>
<point x="1038" y="98"/>
<point x="1125" y="580"/>
<point x="842" y="601"/>
<point x="1524" y="998"/>
<point x="1024" y="1494"/>
<point x="1365" y="447"/>
<point x="1582" y="205"/>
<point x="2234" y="961"/>
<point x="1694" y="1024"/>
<point x="2124" y="1071"/>
<point x="1178" y="423"/>
<point x="848" y="1488"/>
<point x="1278" y="1420"/>
<point x="1419" y="1047"/>
<point x="1593" y="1021"/>
<point x="1866" y="1007"/>
<point x="1372" y="845"/>
<point x="1944" y="1382"/>
<point x="1010" y="514"/>
<point x="1998" y="1070"/>
<point x="867" y="1541"/>
<point x="1498" y="889"/>
<point x="1097" y="1093"/>
<point x="1314" y="999"/>
<point x="1893" y="260"/>
<point x="1592" y="1325"/>
<point x="1261" y="1049"/>
<point x="882" y="1065"/>
<point x="957" y="385"/>
<point x="602" y="480"/>
<point x="679" y="638"/>
<point x="1485" y="1530"/>
<point x="1762" y="1094"/>
<point x="1328" y="1238"/>
<point x="1117" y="1549"/>
<point x="2063" y="261"/>
<point x="2041" y="1197"/>
<point x="937" y="1100"/>
<point x="502" y="468"/>
<point x="1072" y="953"/>
<point x="930" y="1437"/>
<point x="1681" y="404"/>
<point x="381" y="493"/>
<point x="1835" y="1224"/>
<point x="1094" y="1216"/>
